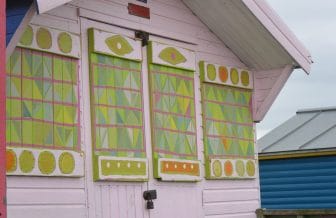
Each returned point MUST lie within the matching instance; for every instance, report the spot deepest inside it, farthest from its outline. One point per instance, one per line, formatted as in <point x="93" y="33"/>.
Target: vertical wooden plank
<point x="122" y="196"/>
<point x="114" y="202"/>
<point x="2" y="109"/>
<point x="105" y="199"/>
<point x="130" y="201"/>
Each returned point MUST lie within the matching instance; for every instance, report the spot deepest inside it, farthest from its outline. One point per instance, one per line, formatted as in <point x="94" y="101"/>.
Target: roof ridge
<point x="314" y="110"/>
<point x="318" y="136"/>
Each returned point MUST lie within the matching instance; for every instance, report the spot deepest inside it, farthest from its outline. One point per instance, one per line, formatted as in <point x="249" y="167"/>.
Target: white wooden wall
<point x="76" y="198"/>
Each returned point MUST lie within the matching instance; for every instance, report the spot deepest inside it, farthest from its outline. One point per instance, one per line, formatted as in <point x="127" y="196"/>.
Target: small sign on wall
<point x="138" y="10"/>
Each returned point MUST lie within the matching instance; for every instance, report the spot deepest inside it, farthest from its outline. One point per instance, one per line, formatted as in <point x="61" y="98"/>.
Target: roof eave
<point x="280" y="31"/>
<point x="47" y="5"/>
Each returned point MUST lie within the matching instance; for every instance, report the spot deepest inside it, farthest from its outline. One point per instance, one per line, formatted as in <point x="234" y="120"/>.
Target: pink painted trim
<point x="230" y="137"/>
<point x="43" y="101"/>
<point x="226" y="103"/>
<point x="121" y="107"/>
<point x="115" y="67"/>
<point x="120" y="150"/>
<point x="230" y="156"/>
<point x="118" y="126"/>
<point x="174" y="94"/>
<point x="41" y="79"/>
<point x="177" y="131"/>
<point x="116" y="88"/>
<point x="230" y="122"/>
<point x="171" y="113"/>
<point x="173" y="75"/>
<point x="41" y="121"/>
<point x="51" y="147"/>
<point x="174" y="153"/>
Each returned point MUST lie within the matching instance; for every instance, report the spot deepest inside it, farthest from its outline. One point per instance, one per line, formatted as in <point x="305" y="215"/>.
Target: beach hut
<point x="119" y="108"/>
<point x="297" y="163"/>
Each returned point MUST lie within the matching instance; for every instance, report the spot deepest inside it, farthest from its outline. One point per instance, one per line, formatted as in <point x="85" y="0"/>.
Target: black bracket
<point x="144" y="36"/>
<point x="149" y="196"/>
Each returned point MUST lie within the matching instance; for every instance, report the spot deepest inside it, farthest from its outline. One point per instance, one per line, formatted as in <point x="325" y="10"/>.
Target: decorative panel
<point x="173" y="114"/>
<point x="228" y="124"/>
<point x="42" y="114"/>
<point x="50" y="40"/>
<point x="117" y="108"/>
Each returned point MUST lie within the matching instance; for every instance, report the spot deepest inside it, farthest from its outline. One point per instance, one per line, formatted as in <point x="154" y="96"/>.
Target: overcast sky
<point x="314" y="23"/>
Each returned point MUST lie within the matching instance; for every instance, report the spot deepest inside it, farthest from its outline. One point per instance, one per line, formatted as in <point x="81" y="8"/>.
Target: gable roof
<point x="261" y="40"/>
<point x="309" y="129"/>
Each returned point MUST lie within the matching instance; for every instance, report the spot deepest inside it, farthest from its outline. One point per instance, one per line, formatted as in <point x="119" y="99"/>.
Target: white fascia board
<point x="47" y="5"/>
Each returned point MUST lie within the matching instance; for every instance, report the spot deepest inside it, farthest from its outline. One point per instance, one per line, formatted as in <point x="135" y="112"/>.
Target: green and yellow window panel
<point x="227" y="123"/>
<point x="174" y="141"/>
<point x="117" y="107"/>
<point x="42" y="110"/>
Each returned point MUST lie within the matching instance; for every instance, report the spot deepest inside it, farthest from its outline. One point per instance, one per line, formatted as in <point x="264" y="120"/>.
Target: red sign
<point x="138" y="10"/>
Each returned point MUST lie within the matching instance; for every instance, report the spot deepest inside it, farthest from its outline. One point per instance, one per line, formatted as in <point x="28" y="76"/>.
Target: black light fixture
<point x="149" y="196"/>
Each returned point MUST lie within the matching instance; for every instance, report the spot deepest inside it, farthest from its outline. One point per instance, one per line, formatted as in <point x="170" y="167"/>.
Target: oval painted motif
<point x="217" y="168"/>
<point x="26" y="161"/>
<point x="250" y="168"/>
<point x="211" y="72"/>
<point x="27" y="37"/>
<point x="46" y="162"/>
<point x="228" y="168"/>
<point x="240" y="168"/>
<point x="11" y="161"/>
<point x="64" y="41"/>
<point x="118" y="45"/>
<point x="234" y="76"/>
<point x="66" y="163"/>
<point x="245" y="78"/>
<point x="172" y="56"/>
<point x="223" y="74"/>
<point x="43" y="38"/>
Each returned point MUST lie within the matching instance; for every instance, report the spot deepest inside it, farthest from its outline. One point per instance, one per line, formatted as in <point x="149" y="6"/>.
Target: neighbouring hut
<point x="297" y="163"/>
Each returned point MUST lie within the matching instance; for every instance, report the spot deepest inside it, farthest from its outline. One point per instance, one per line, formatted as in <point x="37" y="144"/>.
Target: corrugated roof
<point x="308" y="129"/>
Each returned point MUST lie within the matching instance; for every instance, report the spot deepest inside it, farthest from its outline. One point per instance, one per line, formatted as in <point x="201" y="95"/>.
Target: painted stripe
<point x="177" y="131"/>
<point x="172" y="75"/>
<point x="230" y="137"/>
<point x="115" y="67"/>
<point x="174" y="153"/>
<point x="43" y="101"/>
<point x="119" y="149"/>
<point x="41" y="79"/>
<point x="39" y="146"/>
<point x="230" y="122"/>
<point x="228" y="104"/>
<point x="171" y="113"/>
<point x="174" y="94"/>
<point x="121" y="107"/>
<point x="41" y="121"/>
<point x="120" y="126"/>
<point x="117" y="88"/>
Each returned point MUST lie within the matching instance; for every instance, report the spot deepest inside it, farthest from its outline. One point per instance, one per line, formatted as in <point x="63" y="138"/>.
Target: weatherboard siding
<point x="298" y="183"/>
<point x="59" y="197"/>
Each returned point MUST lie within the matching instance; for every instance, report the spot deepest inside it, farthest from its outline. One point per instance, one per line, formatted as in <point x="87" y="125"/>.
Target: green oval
<point x="46" y="162"/>
<point x="172" y="56"/>
<point x="43" y="38"/>
<point x="217" y="168"/>
<point x="66" y="163"/>
<point x="240" y="168"/>
<point x="234" y="76"/>
<point x="64" y="41"/>
<point x="27" y="161"/>
<point x="245" y="78"/>
<point x="118" y="45"/>
<point x="27" y="37"/>
<point x="211" y="72"/>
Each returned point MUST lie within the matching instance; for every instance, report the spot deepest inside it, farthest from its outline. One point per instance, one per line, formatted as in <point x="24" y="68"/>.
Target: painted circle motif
<point x="211" y="72"/>
<point x="245" y="78"/>
<point x="27" y="36"/>
<point x="250" y="168"/>
<point x="223" y="74"/>
<point x="66" y="163"/>
<point x="64" y="42"/>
<point x="240" y="168"/>
<point x="46" y="162"/>
<point x="217" y="168"/>
<point x="228" y="168"/>
<point x="43" y="38"/>
<point x="27" y="161"/>
<point x="234" y="76"/>
<point x="11" y="161"/>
